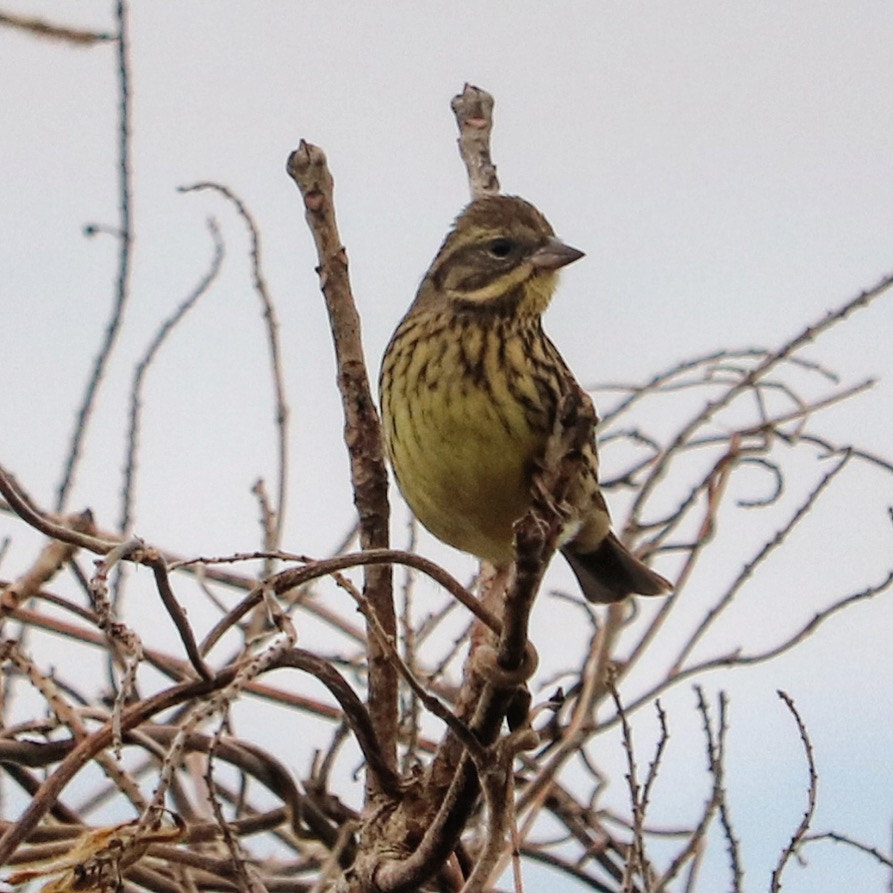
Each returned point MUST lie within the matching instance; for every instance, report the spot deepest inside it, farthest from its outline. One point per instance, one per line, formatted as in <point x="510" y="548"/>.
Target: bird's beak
<point x="554" y="255"/>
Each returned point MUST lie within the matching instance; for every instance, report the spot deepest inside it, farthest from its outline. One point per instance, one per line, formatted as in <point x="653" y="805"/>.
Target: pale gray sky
<point x="728" y="169"/>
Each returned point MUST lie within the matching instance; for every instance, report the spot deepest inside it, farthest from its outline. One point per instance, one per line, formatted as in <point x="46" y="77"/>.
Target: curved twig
<point x="276" y="372"/>
<point x="142" y="367"/>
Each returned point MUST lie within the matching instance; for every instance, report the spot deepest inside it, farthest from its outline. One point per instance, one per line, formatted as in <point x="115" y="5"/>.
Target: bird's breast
<point x="465" y="420"/>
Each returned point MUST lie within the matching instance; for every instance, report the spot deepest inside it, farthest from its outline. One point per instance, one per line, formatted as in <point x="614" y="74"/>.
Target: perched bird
<point x="470" y="386"/>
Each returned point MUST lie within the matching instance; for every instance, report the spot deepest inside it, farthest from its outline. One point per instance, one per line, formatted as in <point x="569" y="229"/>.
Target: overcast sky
<point x="727" y="168"/>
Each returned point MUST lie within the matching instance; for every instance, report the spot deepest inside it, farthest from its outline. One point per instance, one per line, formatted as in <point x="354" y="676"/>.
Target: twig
<point x="473" y="109"/>
<point x="433" y="704"/>
<point x="294" y="577"/>
<point x="808" y="335"/>
<point x="495" y="773"/>
<point x="124" y="645"/>
<point x="411" y="638"/>
<point x="42" y="28"/>
<point x="636" y="861"/>
<point x="22" y="505"/>
<point x="354" y="711"/>
<point x="176" y="612"/>
<point x="125" y="235"/>
<point x="567" y="866"/>
<point x="230" y="840"/>
<point x="275" y="351"/>
<point x="95" y="743"/>
<point x="654" y="765"/>
<point x="837" y="837"/>
<point x="51" y="558"/>
<point x="747" y="571"/>
<point x="803" y="827"/>
<point x="142" y="367"/>
<point x="716" y="746"/>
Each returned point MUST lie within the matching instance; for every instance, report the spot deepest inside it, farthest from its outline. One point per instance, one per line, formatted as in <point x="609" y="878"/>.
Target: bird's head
<point x="501" y="254"/>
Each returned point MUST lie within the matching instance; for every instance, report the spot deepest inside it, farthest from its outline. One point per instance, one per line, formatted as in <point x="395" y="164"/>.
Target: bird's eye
<point x="500" y="248"/>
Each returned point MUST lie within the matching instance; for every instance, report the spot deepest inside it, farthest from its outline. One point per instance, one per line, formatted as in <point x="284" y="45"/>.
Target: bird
<point x="469" y="389"/>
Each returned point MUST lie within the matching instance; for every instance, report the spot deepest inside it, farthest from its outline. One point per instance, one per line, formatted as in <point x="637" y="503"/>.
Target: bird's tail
<point x="610" y="572"/>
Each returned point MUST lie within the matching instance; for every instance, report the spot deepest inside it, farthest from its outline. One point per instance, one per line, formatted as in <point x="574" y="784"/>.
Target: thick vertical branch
<point x="362" y="430"/>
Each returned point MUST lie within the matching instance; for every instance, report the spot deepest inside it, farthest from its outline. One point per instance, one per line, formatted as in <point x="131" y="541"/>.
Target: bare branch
<point x="837" y="837"/>
<point x="42" y="28"/>
<point x="142" y="367"/>
<point x="473" y="109"/>
<point x="802" y="829"/>
<point x="51" y="558"/>
<point x="746" y="572"/>
<point x="307" y="166"/>
<point x="808" y="335"/>
<point x="294" y="577"/>
<point x="276" y="374"/>
<point x="716" y="748"/>
<point x="125" y="236"/>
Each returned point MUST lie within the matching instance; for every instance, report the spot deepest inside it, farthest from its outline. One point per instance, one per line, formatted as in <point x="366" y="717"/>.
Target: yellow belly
<point x="466" y="477"/>
<point x="462" y="448"/>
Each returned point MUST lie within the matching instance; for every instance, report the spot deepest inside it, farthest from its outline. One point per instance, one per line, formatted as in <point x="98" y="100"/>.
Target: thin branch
<point x="566" y="866"/>
<point x="654" y="765"/>
<point x="747" y="571"/>
<point x="293" y="577"/>
<point x="808" y="335"/>
<point x="433" y="704"/>
<point x="716" y="748"/>
<point x="42" y="28"/>
<point x="354" y="711"/>
<point x="23" y="506"/>
<point x="837" y="837"/>
<point x="738" y="659"/>
<point x="495" y="773"/>
<point x="635" y="862"/>
<point x="142" y="367"/>
<point x="125" y="255"/>
<point x="799" y="835"/>
<point x="176" y="612"/>
<point x="275" y="351"/>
